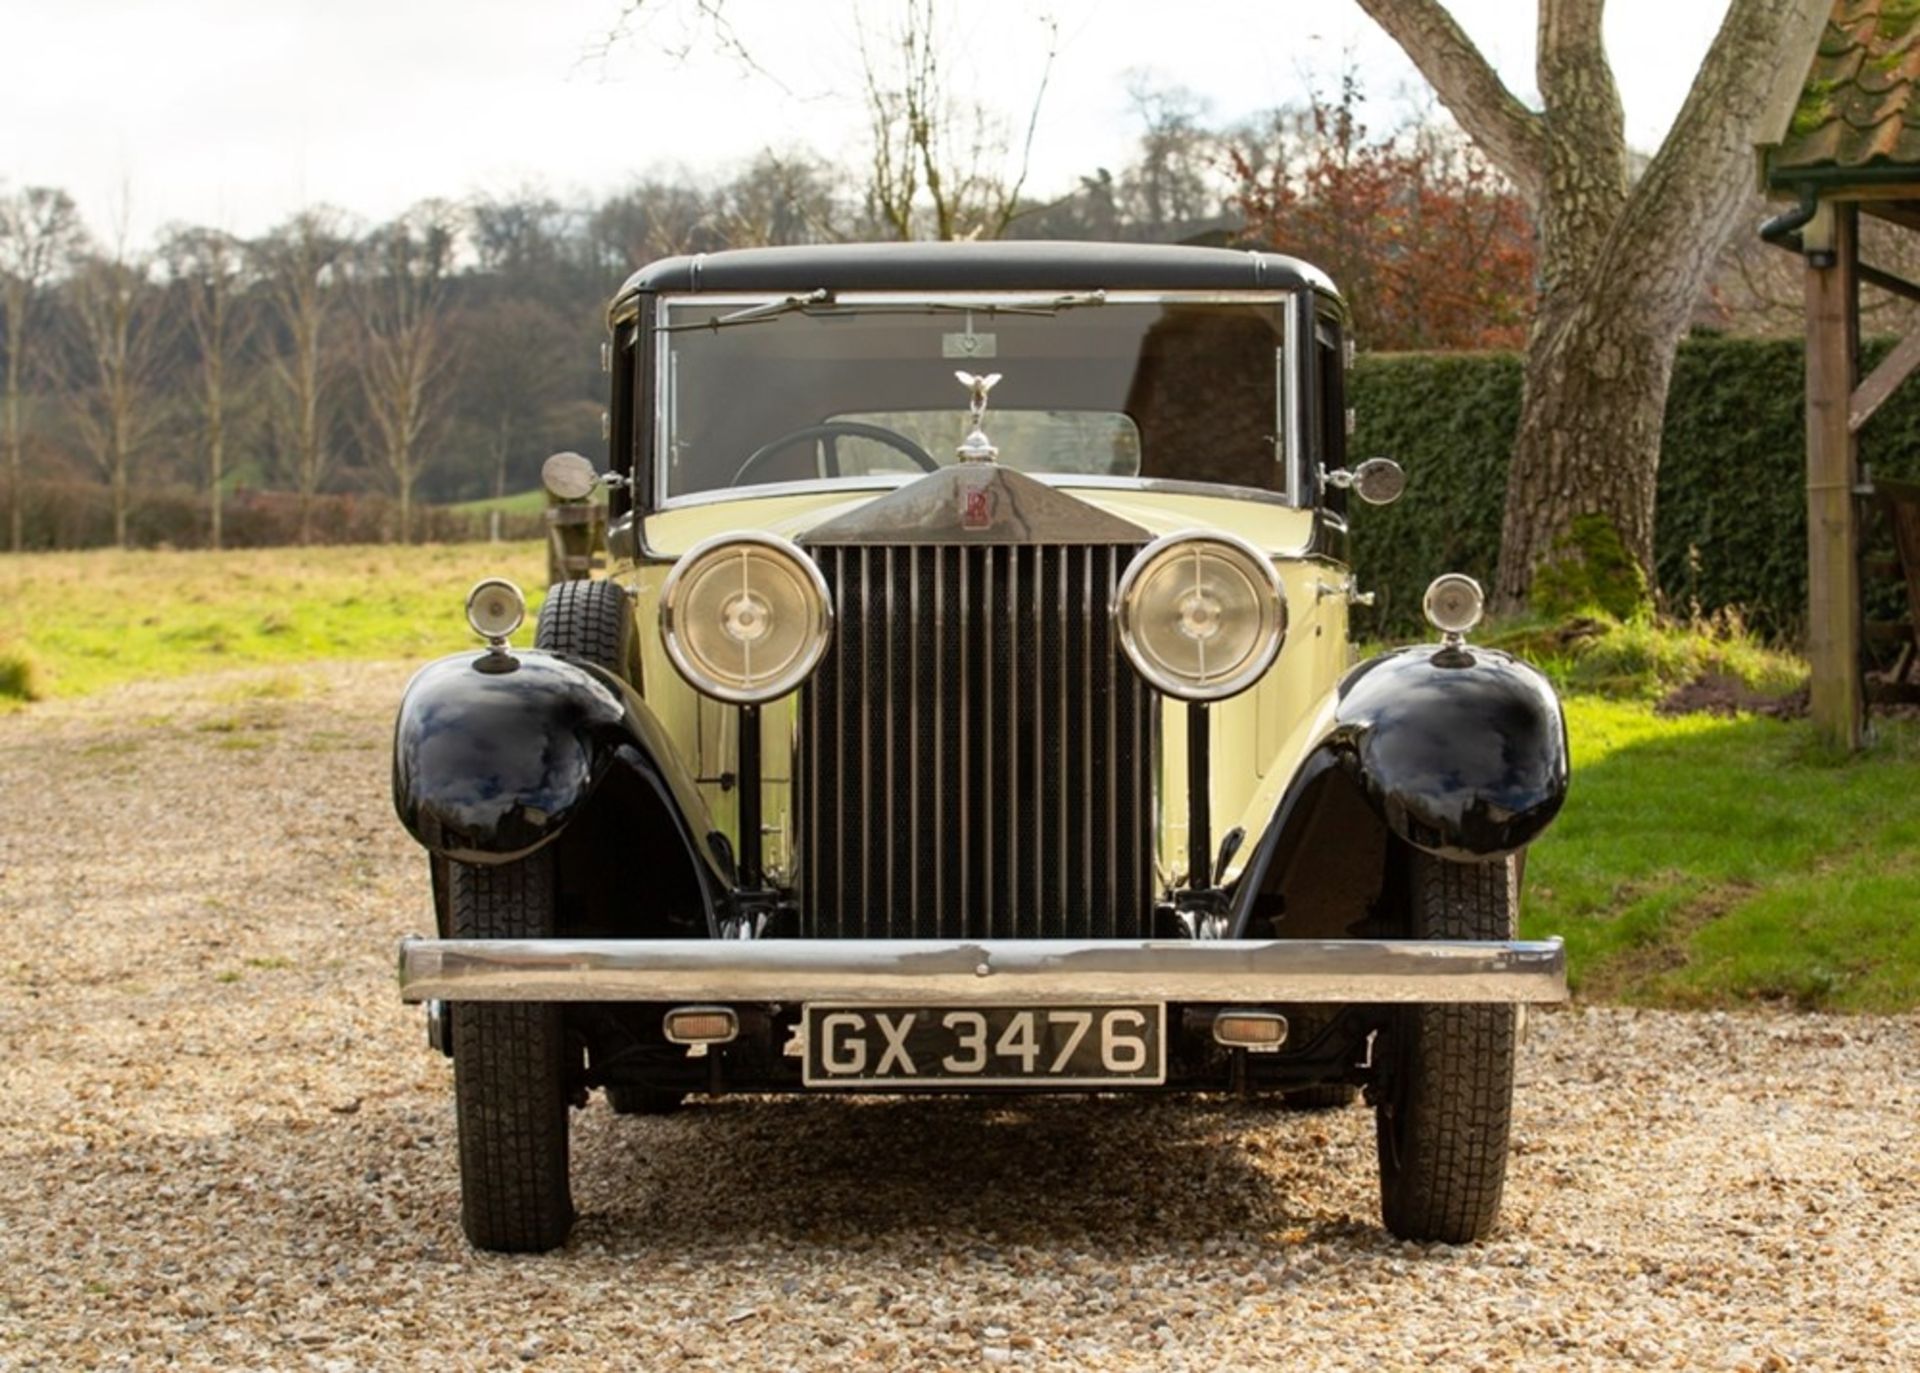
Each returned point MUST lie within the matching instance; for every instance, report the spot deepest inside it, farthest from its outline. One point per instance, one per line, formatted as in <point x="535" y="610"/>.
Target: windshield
<point x="762" y="390"/>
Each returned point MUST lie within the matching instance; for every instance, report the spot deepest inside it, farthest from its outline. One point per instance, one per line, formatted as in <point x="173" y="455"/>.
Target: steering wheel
<point x="837" y="429"/>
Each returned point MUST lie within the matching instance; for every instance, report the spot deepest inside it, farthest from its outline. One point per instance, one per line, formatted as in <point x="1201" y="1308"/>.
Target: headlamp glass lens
<point x="745" y="621"/>
<point x="1201" y="618"/>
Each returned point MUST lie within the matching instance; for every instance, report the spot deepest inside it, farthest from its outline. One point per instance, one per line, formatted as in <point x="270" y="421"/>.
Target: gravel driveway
<point x="224" y="1142"/>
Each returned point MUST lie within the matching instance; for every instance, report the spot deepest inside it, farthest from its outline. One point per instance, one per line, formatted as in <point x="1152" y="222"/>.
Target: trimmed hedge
<point x="79" y="514"/>
<point x="1449" y="419"/>
<point x="1731" y="524"/>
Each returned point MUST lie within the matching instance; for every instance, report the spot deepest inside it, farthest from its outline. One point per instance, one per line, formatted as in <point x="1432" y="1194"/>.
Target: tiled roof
<point x="1859" y="106"/>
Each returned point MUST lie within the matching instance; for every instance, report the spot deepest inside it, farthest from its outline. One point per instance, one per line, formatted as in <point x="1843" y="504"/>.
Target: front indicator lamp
<point x="701" y="1025"/>
<point x="1201" y="615"/>
<point x="1258" y="1031"/>
<point x="495" y="608"/>
<point x="1454" y="604"/>
<point x="745" y="617"/>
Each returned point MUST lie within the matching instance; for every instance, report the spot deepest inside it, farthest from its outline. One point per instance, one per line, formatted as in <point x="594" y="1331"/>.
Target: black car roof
<point x="1009" y="265"/>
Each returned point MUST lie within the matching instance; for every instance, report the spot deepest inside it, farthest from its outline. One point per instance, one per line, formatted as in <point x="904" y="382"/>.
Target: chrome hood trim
<point x="1004" y="971"/>
<point x="976" y="503"/>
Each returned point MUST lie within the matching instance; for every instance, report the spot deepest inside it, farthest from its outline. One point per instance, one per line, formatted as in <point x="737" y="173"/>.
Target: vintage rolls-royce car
<point x="968" y="707"/>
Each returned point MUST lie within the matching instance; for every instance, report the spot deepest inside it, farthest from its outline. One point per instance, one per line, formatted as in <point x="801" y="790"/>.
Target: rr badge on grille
<point x="976" y="507"/>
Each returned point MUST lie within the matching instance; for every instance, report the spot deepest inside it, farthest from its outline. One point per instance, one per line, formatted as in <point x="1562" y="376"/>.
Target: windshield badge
<point x="977" y="447"/>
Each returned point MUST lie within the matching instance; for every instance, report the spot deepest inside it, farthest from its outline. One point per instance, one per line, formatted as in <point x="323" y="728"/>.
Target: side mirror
<point x="568" y="477"/>
<point x="1377" y="481"/>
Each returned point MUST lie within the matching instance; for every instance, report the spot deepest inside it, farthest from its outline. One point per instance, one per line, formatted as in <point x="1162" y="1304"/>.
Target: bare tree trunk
<point x="40" y="234"/>
<point x="301" y="374"/>
<point x="400" y="294"/>
<point x="118" y="325"/>
<point x="298" y="260"/>
<point x="311" y="454"/>
<point x="119" y="487"/>
<point x="216" y="456"/>
<point x="1588" y="444"/>
<point x="502" y="447"/>
<point x="208" y="267"/>
<point x="16" y="343"/>
<point x="1621" y="268"/>
<point x="1611" y="313"/>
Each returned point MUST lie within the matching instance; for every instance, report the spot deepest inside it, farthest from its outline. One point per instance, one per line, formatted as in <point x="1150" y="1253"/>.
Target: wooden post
<point x="576" y="538"/>
<point x="1833" y="565"/>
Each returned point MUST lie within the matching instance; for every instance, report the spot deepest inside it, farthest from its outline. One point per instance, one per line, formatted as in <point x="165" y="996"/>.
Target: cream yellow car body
<point x="1258" y="737"/>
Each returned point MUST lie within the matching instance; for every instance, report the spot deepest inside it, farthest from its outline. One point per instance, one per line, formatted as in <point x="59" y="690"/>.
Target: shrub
<point x="1449" y="419"/>
<point x="21" y="677"/>
<point x="1731" y="528"/>
<point x="1646" y="656"/>
<point x="67" y="513"/>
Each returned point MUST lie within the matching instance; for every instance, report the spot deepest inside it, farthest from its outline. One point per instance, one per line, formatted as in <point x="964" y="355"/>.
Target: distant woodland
<point x="334" y="379"/>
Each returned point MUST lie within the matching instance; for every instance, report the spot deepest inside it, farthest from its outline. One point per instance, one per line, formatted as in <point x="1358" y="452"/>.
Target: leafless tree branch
<point x="1506" y="130"/>
<point x="1696" y="179"/>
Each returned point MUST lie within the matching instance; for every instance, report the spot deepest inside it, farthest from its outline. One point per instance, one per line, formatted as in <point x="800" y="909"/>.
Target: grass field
<point x="1705" y="861"/>
<point x="1699" y="861"/>
<point x="73" y="623"/>
<point x="520" y="503"/>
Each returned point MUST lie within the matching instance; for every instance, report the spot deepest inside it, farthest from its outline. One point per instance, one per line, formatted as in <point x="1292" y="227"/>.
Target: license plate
<point x="901" y="1047"/>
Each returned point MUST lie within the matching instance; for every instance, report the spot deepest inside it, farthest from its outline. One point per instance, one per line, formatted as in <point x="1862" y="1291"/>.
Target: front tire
<point x="591" y="621"/>
<point x="1446" y="1104"/>
<point x="510" y="1072"/>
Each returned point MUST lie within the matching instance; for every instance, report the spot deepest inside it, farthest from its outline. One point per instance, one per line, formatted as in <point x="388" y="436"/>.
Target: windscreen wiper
<point x="1071" y="300"/>
<point x="823" y="301"/>
<point x="767" y="310"/>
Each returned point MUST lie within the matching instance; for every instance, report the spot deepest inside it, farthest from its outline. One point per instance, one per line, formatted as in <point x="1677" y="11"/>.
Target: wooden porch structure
<point x="1850" y="146"/>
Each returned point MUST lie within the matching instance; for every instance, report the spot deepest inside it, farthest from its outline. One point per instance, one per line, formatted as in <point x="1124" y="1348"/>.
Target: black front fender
<point x="1461" y="751"/>
<point x="1458" y="751"/>
<point x="489" y="765"/>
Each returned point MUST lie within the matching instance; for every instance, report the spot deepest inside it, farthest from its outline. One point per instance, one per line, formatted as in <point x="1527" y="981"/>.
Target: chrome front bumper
<point x="998" y="971"/>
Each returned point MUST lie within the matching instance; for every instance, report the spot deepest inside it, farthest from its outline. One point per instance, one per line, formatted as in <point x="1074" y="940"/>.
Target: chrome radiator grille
<point x="975" y="753"/>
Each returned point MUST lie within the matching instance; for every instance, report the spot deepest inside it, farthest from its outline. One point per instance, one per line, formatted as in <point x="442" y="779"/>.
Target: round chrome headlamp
<point x="745" y="617"/>
<point x="1454" y="603"/>
<point x="495" y="608"/>
<point x="1201" y="615"/>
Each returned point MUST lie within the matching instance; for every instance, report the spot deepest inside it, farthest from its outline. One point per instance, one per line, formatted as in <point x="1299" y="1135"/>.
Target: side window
<point x="1328" y="444"/>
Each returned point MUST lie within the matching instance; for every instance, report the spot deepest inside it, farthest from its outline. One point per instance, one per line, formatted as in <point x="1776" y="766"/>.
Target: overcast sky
<point x="235" y="112"/>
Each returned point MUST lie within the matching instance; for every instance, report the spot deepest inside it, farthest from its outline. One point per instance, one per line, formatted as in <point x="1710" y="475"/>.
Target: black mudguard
<point x="493" y="758"/>
<point x="1458" y="751"/>
<point x="1462" y="751"/>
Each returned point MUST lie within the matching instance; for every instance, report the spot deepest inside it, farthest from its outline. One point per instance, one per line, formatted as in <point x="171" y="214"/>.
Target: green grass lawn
<point x="1704" y="861"/>
<point x="521" y="503"/>
<point x="72" y="623"/>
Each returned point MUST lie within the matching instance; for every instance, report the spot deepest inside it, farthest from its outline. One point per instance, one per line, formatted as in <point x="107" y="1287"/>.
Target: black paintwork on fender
<point x="1459" y="751"/>
<point x="490" y="765"/>
<point x="1463" y="752"/>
